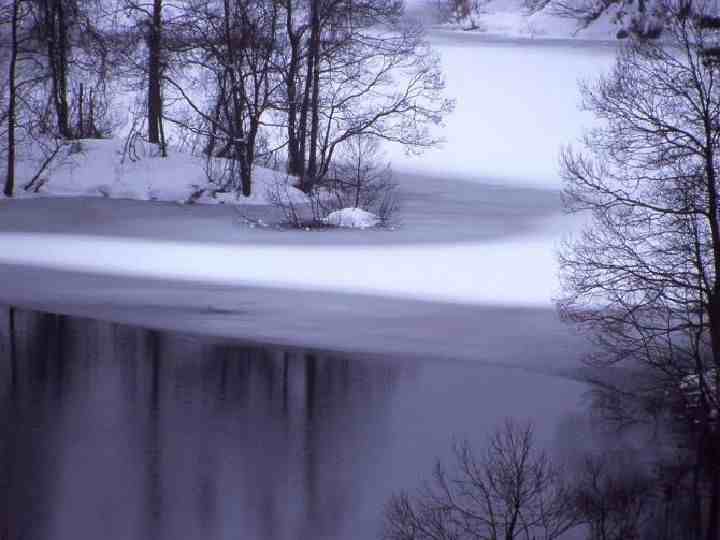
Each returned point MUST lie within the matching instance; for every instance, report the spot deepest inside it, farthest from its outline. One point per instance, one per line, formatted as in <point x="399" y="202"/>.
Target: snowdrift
<point x="101" y="168"/>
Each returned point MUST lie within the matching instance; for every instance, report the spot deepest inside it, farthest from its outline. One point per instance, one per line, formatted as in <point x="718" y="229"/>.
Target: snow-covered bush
<point x="460" y="11"/>
<point x="135" y="144"/>
<point x="352" y="218"/>
<point x="697" y="390"/>
<point x="359" y="179"/>
<point x="296" y="213"/>
<point x="644" y="19"/>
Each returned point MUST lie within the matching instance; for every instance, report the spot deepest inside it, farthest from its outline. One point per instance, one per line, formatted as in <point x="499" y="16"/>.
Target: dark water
<point x="110" y="431"/>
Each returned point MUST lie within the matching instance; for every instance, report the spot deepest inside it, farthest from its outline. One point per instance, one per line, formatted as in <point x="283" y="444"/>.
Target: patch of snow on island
<point x="352" y="218"/>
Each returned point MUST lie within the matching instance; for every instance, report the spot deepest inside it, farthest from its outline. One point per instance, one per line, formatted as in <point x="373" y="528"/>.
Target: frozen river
<point x="470" y="228"/>
<point x="116" y="431"/>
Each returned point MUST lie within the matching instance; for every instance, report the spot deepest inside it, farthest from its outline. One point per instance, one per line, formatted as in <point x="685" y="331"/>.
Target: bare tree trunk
<point x="91" y="116"/>
<point x="215" y="118"/>
<point x="246" y="174"/>
<point x="315" y="102"/>
<point x="696" y="510"/>
<point x="714" y="320"/>
<point x="154" y="108"/>
<point x="307" y="92"/>
<point x="296" y="159"/>
<point x="238" y="137"/>
<point x="10" y="177"/>
<point x="62" y="62"/>
<point x="57" y="56"/>
<point x="714" y="510"/>
<point x="302" y="130"/>
<point x="81" y="122"/>
<point x="163" y="145"/>
<point x="249" y="158"/>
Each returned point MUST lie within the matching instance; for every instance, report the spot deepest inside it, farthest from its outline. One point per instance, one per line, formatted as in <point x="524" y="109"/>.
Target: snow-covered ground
<point x="103" y="168"/>
<point x="513" y="19"/>
<point x="517" y="104"/>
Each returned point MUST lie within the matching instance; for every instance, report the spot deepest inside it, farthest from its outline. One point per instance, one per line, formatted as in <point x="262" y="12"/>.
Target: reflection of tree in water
<point x="32" y="378"/>
<point x="112" y="431"/>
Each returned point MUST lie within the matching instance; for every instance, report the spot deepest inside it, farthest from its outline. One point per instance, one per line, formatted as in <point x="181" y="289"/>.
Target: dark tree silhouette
<point x="11" y="115"/>
<point x="510" y="490"/>
<point x="644" y="277"/>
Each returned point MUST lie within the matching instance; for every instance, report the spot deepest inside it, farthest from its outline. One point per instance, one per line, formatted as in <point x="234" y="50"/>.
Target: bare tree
<point x="26" y="114"/>
<point x="511" y="490"/>
<point x="325" y="71"/>
<point x="614" y="496"/>
<point x="11" y="115"/>
<point x="63" y="55"/>
<point x="65" y="37"/>
<point x="234" y="54"/>
<point x="150" y="28"/>
<point x="55" y="21"/>
<point x="355" y="68"/>
<point x="154" y="117"/>
<point x="290" y="69"/>
<point x="644" y="278"/>
<point x="386" y="82"/>
<point x="358" y="178"/>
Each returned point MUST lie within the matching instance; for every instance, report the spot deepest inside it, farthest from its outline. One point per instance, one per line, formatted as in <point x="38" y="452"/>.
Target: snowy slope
<point x="99" y="168"/>
<point x="511" y="19"/>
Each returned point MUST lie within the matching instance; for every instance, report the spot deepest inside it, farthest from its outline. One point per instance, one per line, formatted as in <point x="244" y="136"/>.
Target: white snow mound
<point x="352" y="218"/>
<point x="96" y="168"/>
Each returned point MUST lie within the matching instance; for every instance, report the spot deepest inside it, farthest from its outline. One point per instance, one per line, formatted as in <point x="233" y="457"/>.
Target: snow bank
<point x="97" y="168"/>
<point x="510" y="19"/>
<point x="352" y="218"/>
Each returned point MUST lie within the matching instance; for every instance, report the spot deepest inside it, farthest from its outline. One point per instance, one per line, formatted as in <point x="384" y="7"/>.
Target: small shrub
<point x="356" y="179"/>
